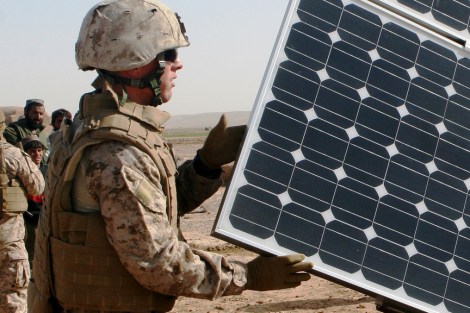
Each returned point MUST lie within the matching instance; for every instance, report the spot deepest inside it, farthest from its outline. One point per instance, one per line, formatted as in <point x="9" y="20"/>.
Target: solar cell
<point x="357" y="152"/>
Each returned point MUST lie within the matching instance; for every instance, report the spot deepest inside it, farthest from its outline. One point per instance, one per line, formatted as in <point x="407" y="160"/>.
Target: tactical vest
<point x="13" y="200"/>
<point x="85" y="269"/>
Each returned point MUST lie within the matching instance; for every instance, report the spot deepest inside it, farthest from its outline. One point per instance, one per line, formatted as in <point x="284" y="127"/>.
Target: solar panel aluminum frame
<point x="431" y="24"/>
<point x="223" y="228"/>
<point x="427" y="21"/>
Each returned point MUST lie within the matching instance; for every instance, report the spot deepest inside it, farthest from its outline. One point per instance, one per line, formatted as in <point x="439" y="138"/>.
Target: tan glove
<point x="277" y="272"/>
<point x="222" y="144"/>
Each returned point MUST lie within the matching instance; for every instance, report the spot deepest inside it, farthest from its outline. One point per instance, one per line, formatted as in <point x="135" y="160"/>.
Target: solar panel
<point x="357" y="151"/>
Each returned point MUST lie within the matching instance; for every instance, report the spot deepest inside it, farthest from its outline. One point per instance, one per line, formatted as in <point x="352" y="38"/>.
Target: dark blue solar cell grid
<point x="361" y="157"/>
<point x="452" y="13"/>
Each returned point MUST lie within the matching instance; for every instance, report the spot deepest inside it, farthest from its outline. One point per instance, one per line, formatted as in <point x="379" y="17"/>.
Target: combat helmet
<point x="119" y="35"/>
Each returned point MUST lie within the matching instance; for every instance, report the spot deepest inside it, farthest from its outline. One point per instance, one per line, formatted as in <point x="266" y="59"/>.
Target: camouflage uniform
<point x="140" y="232"/>
<point x="14" y="265"/>
<point x="127" y="191"/>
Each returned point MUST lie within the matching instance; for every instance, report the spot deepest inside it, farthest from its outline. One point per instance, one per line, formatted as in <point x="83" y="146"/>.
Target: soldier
<point x="19" y="177"/>
<point x="109" y="231"/>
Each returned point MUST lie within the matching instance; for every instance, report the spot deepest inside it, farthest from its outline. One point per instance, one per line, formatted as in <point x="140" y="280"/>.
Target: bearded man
<point x="30" y="124"/>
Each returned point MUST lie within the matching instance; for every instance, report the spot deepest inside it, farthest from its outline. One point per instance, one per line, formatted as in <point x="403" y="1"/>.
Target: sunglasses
<point x="167" y="56"/>
<point x="170" y="55"/>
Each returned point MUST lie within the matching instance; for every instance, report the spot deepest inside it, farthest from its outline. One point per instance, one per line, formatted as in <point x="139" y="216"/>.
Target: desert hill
<point x="206" y="120"/>
<point x="186" y="121"/>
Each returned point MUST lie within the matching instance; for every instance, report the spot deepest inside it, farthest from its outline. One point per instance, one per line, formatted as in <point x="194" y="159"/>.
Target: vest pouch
<point x="83" y="229"/>
<point x="94" y="279"/>
<point x="88" y="274"/>
<point x="14" y="198"/>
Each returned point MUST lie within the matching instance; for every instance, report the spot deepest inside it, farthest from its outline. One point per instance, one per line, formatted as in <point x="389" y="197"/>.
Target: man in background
<point x="19" y="177"/>
<point x="58" y="117"/>
<point x="30" y="124"/>
<point x="35" y="149"/>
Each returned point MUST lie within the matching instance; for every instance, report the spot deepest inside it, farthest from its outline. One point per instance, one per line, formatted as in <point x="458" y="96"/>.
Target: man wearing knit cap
<point x="30" y="124"/>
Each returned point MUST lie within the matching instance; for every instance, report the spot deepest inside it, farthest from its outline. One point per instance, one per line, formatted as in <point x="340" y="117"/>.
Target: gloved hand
<point x="222" y="144"/>
<point x="277" y="272"/>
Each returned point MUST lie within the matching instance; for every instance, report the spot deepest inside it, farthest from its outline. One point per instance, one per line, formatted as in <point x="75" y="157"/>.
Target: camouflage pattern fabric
<point x="125" y="182"/>
<point x="14" y="265"/>
<point x="15" y="274"/>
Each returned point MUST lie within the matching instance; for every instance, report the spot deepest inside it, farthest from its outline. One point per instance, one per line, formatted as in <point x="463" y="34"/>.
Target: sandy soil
<point x="316" y="295"/>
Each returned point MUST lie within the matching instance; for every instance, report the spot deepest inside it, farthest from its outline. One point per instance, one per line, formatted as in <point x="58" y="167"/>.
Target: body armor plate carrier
<point x="75" y="266"/>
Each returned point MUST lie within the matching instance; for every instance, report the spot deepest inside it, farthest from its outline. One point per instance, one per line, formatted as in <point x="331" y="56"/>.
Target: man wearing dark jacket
<point x="30" y="124"/>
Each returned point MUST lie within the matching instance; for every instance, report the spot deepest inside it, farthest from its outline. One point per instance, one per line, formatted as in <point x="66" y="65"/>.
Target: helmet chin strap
<point x="155" y="85"/>
<point x="150" y="81"/>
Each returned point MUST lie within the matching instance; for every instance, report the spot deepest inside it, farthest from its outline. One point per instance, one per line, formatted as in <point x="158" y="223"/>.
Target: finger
<point x="297" y="277"/>
<point x="292" y="258"/>
<point x="222" y="124"/>
<point x="300" y="267"/>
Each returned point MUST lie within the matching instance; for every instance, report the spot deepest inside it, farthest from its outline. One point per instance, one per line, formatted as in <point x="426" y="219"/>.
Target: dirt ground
<point x="317" y="295"/>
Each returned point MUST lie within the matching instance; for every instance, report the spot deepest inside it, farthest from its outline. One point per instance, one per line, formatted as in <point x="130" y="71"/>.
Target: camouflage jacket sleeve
<point x="20" y="165"/>
<point x="193" y="189"/>
<point x="126" y="185"/>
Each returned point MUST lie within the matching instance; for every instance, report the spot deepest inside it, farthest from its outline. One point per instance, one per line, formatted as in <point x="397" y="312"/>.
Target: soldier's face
<point x="168" y="77"/>
<point x="35" y="116"/>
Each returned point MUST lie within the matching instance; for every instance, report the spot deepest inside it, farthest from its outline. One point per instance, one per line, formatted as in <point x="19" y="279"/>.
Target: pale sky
<point x="231" y="42"/>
